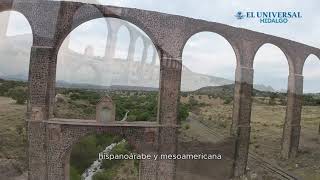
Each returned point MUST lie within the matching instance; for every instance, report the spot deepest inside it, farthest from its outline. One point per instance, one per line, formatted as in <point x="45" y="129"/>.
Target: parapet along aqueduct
<point x="50" y="139"/>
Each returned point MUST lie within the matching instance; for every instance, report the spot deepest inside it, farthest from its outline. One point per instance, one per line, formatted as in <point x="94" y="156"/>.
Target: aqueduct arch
<point x="104" y="63"/>
<point x="276" y="68"/>
<point x="215" y="40"/>
<point x="4" y="21"/>
<point x="113" y="30"/>
<point x="311" y="64"/>
<point x="52" y="21"/>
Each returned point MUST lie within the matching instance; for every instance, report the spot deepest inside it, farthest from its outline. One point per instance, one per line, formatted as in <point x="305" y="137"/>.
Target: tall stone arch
<point x="67" y="40"/>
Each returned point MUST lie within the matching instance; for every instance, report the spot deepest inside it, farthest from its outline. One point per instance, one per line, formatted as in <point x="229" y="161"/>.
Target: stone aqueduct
<point x="134" y="34"/>
<point x="50" y="139"/>
<point x="113" y="27"/>
<point x="134" y="66"/>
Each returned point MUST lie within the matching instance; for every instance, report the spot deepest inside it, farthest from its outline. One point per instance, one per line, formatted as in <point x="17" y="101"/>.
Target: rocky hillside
<point x="227" y="91"/>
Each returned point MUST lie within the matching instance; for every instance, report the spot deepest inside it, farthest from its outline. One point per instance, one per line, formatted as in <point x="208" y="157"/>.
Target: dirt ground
<point x="12" y="139"/>
<point x="195" y="138"/>
<point x="267" y="123"/>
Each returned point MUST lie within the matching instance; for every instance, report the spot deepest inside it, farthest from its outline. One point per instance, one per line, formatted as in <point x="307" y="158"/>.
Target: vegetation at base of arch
<point x="17" y="90"/>
<point x="19" y="94"/>
<point x="140" y="105"/>
<point x="87" y="150"/>
<point x="13" y="132"/>
<point x="112" y="168"/>
<point x="81" y="103"/>
<point x="311" y="100"/>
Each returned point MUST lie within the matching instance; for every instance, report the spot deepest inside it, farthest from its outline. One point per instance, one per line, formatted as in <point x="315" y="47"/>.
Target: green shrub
<point x="75" y="96"/>
<point x="311" y="100"/>
<point x="131" y="118"/>
<point x="136" y="164"/>
<point x="227" y="100"/>
<point x="143" y="116"/>
<point x="107" y="164"/>
<point x="193" y="102"/>
<point x="5" y="86"/>
<point x="19" y="94"/>
<point x="121" y="148"/>
<point x="74" y="174"/>
<point x="84" y="153"/>
<point x="104" y="175"/>
<point x="183" y="112"/>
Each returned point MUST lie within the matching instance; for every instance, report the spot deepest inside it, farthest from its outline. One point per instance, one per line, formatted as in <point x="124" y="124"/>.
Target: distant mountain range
<point x="63" y="84"/>
<point x="227" y="90"/>
<point x="15" y="52"/>
<point x="17" y="77"/>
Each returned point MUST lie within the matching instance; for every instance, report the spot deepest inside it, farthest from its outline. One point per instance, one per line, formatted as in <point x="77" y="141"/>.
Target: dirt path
<point x="198" y="139"/>
<point x="211" y="140"/>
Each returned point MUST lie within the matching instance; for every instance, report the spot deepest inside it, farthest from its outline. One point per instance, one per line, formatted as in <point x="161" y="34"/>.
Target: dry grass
<point x="126" y="171"/>
<point x="267" y="123"/>
<point x="266" y="132"/>
<point x="12" y="133"/>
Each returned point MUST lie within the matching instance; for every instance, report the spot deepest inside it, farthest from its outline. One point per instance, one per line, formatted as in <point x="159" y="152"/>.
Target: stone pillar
<point x="4" y="22"/>
<point x="66" y="165"/>
<point x="111" y="44"/>
<point x="240" y="127"/>
<point x="154" y="57"/>
<point x="170" y="72"/>
<point x="55" y="157"/>
<point x="132" y="46"/>
<point x="142" y="68"/>
<point x="52" y="83"/>
<point x="148" y="168"/>
<point x="146" y="45"/>
<point x="113" y="29"/>
<point x="131" y="52"/>
<point x="38" y="91"/>
<point x="37" y="167"/>
<point x="291" y="129"/>
<point x="170" y="79"/>
<point x="168" y="142"/>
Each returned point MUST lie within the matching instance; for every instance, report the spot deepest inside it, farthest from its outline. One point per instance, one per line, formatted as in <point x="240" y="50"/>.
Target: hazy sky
<point x="209" y="53"/>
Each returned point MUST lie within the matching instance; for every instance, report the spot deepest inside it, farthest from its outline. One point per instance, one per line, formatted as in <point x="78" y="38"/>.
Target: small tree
<point x="273" y="98"/>
<point x="227" y="100"/>
<point x="183" y="112"/>
<point x="193" y="102"/>
<point x="19" y="94"/>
